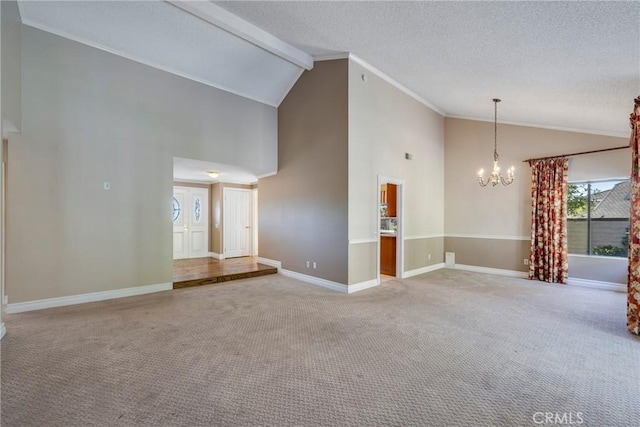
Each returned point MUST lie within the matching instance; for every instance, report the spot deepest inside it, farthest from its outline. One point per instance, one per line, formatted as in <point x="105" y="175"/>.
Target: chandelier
<point x="496" y="175"/>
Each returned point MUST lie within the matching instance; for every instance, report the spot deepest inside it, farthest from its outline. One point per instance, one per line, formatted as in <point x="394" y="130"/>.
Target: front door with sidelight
<point x="190" y="215"/>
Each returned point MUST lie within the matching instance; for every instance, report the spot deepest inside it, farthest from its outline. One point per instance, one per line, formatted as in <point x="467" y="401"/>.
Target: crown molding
<point x="215" y="181"/>
<point x="267" y="175"/>
<point x="395" y="83"/>
<point x="331" y="56"/>
<point x="538" y="126"/>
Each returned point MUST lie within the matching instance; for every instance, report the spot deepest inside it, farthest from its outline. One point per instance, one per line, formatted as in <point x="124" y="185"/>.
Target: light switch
<point x="107" y="185"/>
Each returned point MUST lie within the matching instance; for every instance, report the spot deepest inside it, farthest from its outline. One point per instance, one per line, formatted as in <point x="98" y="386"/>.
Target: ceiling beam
<point x="237" y="26"/>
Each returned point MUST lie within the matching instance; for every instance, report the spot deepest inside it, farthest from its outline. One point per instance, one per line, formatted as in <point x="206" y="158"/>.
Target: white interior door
<point x="237" y="222"/>
<point x="190" y="222"/>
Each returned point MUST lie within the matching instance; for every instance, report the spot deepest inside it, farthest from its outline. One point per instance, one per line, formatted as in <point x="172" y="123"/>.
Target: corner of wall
<point x="303" y="209"/>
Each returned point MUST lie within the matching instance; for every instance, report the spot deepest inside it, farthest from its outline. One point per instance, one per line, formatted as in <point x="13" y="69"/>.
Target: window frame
<point x="589" y="219"/>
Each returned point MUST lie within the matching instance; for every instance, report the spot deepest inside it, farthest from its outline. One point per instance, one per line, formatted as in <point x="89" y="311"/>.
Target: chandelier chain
<point x="495" y="129"/>
<point x="496" y="176"/>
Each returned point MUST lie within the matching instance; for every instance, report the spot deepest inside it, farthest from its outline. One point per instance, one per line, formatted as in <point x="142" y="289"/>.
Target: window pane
<point x="610" y="218"/>
<point x="577" y="241"/>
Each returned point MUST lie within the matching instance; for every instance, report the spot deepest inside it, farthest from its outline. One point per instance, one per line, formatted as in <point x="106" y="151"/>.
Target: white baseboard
<point x="422" y="270"/>
<point x="3" y="330"/>
<point x="216" y="255"/>
<point x="496" y="271"/>
<point x="595" y="284"/>
<point x="270" y="262"/>
<point x="356" y="287"/>
<point x="339" y="287"/>
<point x="20" y="307"/>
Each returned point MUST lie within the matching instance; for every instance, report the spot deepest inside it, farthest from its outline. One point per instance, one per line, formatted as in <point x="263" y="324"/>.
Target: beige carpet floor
<point x="448" y="348"/>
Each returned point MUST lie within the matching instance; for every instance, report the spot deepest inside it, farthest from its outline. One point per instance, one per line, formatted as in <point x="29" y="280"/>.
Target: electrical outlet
<point x="526" y="261"/>
<point x="429" y="256"/>
<point x="314" y="264"/>
<point x="307" y="264"/>
<point x="106" y="185"/>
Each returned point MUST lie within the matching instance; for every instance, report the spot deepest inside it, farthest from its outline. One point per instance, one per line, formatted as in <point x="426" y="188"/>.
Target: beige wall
<point x="89" y="117"/>
<point x="492" y="253"/>
<point x="423" y="252"/>
<point x="599" y="166"/>
<point x="11" y="64"/>
<point x="503" y="211"/>
<point x="216" y="218"/>
<point x="481" y="221"/>
<point x="303" y="209"/>
<point x="384" y="124"/>
<point x="362" y="262"/>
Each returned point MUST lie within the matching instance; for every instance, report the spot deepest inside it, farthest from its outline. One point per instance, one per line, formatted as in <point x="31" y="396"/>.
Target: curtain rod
<point x="577" y="154"/>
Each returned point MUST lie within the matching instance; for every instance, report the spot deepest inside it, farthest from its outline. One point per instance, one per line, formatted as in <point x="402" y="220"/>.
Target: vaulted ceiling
<point x="196" y="40"/>
<point x="569" y="65"/>
<point x="572" y="65"/>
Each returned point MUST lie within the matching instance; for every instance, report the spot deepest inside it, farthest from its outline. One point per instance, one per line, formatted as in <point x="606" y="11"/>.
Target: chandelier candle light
<point x="496" y="175"/>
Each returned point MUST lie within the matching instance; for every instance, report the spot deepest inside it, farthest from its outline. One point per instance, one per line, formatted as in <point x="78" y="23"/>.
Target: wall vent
<point x="450" y="259"/>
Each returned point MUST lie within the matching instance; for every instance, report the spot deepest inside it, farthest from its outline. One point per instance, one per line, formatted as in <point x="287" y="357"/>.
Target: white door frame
<point x="400" y="218"/>
<point x="225" y="215"/>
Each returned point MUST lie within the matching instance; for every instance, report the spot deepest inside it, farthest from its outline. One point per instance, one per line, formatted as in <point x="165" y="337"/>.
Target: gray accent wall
<point x="303" y="208"/>
<point x="89" y="117"/>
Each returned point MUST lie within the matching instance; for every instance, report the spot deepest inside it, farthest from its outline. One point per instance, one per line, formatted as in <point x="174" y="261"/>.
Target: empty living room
<point x="319" y="213"/>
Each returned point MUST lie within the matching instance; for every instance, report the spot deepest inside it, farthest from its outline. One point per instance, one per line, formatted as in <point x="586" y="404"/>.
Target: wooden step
<point x="209" y="279"/>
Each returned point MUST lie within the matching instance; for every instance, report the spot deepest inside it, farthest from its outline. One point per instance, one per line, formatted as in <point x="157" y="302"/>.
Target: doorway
<point x="390" y="228"/>
<point x="190" y="214"/>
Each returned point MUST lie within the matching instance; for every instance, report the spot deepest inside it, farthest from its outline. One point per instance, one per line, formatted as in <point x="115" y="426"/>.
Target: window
<point x="598" y="218"/>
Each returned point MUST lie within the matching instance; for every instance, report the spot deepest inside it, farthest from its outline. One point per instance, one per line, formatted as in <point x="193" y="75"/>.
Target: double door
<point x="190" y="214"/>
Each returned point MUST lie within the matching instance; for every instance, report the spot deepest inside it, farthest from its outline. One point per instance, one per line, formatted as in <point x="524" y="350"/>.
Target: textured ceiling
<point x="165" y="36"/>
<point x="570" y="65"/>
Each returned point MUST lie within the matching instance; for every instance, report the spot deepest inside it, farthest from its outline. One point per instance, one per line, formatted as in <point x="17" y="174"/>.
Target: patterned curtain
<point x="633" y="280"/>
<point x="549" y="186"/>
